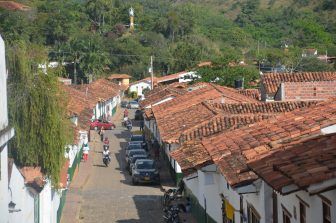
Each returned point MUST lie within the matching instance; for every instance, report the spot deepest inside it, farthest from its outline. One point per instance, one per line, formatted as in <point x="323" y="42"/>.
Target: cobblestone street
<point x="108" y="194"/>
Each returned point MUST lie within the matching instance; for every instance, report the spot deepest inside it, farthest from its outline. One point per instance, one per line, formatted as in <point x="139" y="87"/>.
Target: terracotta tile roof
<point x="261" y="108"/>
<point x="309" y="162"/>
<point x="205" y="63"/>
<point x="231" y="150"/>
<point x="11" y="5"/>
<point x="172" y="124"/>
<point x="78" y="100"/>
<point x="232" y="116"/>
<point x="272" y="81"/>
<point x="196" y="94"/>
<point x="100" y="89"/>
<point x="191" y="156"/>
<point x="220" y="123"/>
<point x="170" y="77"/>
<point x="252" y="93"/>
<point x="84" y="118"/>
<point x="64" y="174"/>
<point x="149" y="113"/>
<point x="119" y="76"/>
<point x="33" y="177"/>
<point x="161" y="93"/>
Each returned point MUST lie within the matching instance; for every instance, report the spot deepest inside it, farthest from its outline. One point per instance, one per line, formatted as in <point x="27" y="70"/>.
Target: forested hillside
<point x="93" y="36"/>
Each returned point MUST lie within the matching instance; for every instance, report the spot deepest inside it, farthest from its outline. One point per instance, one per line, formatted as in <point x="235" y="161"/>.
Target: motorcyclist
<point x="106" y="153"/>
<point x="125" y="113"/>
<point x="125" y="121"/>
<point x="129" y="125"/>
<point x="106" y="141"/>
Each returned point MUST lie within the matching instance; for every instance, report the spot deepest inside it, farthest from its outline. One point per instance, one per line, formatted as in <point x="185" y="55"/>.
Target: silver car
<point x="133" y="105"/>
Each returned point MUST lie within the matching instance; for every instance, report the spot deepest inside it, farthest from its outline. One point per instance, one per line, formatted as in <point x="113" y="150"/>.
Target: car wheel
<point x="133" y="181"/>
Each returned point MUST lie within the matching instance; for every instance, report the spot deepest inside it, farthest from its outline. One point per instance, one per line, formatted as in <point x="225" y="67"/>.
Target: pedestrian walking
<point x="102" y="131"/>
<point x="86" y="149"/>
<point x="141" y="125"/>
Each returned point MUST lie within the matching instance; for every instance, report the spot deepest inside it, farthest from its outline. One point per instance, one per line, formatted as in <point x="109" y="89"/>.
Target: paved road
<point x="109" y="196"/>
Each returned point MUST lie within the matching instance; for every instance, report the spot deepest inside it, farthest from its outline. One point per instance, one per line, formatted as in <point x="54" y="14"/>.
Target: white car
<point x="133" y="105"/>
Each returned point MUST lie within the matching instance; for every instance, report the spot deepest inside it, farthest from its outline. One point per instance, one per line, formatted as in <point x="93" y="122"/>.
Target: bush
<point x="133" y="94"/>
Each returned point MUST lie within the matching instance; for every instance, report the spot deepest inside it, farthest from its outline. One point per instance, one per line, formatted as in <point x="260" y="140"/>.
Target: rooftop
<point x="190" y="156"/>
<point x="252" y="93"/>
<point x="309" y="162"/>
<point x="13" y="6"/>
<point x="272" y="81"/>
<point x="119" y="76"/>
<point x="232" y="150"/>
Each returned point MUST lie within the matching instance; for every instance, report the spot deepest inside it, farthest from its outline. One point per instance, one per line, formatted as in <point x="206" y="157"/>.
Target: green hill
<point x="95" y="33"/>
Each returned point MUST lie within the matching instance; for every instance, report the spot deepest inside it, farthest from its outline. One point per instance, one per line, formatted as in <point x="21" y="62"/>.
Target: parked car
<point x="124" y="104"/>
<point x="143" y="144"/>
<point x="145" y="171"/>
<point x="138" y="138"/>
<point x="133" y="147"/>
<point x="133" y="159"/>
<point x="133" y="152"/>
<point x="98" y="124"/>
<point x="138" y="115"/>
<point x="133" y="105"/>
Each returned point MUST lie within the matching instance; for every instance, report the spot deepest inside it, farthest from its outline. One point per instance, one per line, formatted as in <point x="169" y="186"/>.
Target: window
<point x="252" y="215"/>
<point x="326" y="212"/>
<point x="286" y="216"/>
<point x="302" y="213"/>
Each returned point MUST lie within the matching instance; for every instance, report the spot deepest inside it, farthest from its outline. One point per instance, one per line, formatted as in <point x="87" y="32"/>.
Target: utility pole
<point x="152" y="73"/>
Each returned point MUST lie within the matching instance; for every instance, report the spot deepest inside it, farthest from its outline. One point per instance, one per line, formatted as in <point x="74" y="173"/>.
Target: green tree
<point x="37" y="112"/>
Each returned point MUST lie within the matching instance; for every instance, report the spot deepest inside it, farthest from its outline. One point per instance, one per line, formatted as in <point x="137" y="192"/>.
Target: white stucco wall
<point x="313" y="213"/>
<point x="3" y="124"/>
<point x="4" y="200"/>
<point x="3" y="87"/>
<point x="139" y="87"/>
<point x="45" y="204"/>
<point x="23" y="199"/>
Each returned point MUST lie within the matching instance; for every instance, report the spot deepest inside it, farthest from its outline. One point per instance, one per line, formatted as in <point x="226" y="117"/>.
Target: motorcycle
<point x="129" y="126"/>
<point x="172" y="213"/>
<point x="106" y="160"/>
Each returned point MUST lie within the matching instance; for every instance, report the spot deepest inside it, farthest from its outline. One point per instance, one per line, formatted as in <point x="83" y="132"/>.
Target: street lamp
<point x="11" y="205"/>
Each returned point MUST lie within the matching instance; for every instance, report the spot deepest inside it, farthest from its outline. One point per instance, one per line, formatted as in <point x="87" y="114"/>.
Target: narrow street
<point x="109" y="196"/>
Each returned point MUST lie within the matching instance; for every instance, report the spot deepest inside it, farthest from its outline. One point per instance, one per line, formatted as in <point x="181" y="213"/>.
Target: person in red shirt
<point x="125" y="113"/>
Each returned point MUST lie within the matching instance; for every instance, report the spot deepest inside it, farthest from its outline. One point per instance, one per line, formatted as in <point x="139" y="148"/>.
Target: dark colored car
<point x="98" y="124"/>
<point x="133" y="147"/>
<point x="143" y="144"/>
<point x="133" y="152"/>
<point x="140" y="138"/>
<point x="124" y="104"/>
<point x="138" y="115"/>
<point x="133" y="159"/>
<point x="145" y="171"/>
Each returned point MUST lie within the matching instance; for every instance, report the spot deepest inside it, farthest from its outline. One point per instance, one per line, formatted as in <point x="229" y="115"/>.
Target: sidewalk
<point x="73" y="201"/>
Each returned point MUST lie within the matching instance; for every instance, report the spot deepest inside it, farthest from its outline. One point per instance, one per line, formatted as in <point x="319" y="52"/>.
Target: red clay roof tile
<point x="272" y="81"/>
<point x="309" y="162"/>
<point x="261" y="133"/>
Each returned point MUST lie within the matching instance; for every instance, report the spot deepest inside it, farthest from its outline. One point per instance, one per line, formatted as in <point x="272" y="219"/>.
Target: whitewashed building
<point x="6" y="133"/>
<point x="139" y="86"/>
